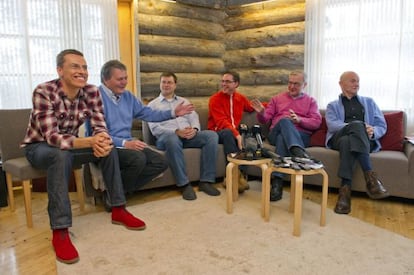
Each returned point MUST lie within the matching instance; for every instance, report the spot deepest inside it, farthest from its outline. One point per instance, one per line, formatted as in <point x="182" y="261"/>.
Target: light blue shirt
<point x="171" y="125"/>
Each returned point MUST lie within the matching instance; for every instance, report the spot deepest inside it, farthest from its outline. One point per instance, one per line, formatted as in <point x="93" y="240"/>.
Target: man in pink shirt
<point x="294" y="115"/>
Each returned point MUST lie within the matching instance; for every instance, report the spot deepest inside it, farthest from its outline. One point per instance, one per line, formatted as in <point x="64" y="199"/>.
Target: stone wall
<point x="263" y="42"/>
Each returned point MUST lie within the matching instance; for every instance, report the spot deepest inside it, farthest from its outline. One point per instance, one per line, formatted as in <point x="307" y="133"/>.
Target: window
<point x="33" y="32"/>
<point x="374" y="38"/>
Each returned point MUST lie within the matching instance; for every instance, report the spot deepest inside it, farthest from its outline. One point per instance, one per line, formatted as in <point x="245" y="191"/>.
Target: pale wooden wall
<point x="262" y="42"/>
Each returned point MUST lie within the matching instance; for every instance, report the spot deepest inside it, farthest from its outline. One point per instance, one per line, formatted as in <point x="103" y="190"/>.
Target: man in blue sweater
<point x="138" y="162"/>
<point x="355" y="125"/>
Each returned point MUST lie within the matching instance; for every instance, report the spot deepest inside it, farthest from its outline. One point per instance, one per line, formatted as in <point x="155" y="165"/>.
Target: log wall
<point x="199" y="40"/>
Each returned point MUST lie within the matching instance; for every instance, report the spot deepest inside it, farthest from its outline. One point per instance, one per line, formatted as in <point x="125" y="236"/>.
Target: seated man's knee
<point x="357" y="127"/>
<point x="225" y="134"/>
<point x="61" y="156"/>
<point x="212" y="136"/>
<point x="172" y="140"/>
<point x="285" y="121"/>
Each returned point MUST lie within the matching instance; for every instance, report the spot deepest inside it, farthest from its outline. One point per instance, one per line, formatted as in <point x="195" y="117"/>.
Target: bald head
<point x="349" y="82"/>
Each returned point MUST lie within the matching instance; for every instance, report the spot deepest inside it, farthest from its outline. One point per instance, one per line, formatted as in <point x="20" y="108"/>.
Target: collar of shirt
<point x="115" y="98"/>
<point x="163" y="98"/>
<point x="61" y="92"/>
<point x="298" y="96"/>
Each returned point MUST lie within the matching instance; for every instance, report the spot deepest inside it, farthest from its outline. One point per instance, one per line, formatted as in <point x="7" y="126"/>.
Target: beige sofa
<point x="395" y="168"/>
<point x="394" y="164"/>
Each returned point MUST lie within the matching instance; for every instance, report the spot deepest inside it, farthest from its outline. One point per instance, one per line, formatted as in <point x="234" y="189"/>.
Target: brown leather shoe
<point x="375" y="189"/>
<point x="343" y="205"/>
<point x="243" y="185"/>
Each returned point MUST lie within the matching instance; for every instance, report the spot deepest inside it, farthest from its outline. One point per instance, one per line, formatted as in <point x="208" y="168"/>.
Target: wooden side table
<point x="296" y="193"/>
<point x="232" y="178"/>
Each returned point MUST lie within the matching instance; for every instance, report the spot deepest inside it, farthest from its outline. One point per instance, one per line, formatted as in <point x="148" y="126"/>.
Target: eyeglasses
<point x="296" y="84"/>
<point x="78" y="67"/>
<point x="227" y="81"/>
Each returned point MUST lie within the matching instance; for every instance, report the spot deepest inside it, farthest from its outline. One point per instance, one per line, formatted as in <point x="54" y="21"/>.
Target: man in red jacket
<point x="226" y="109"/>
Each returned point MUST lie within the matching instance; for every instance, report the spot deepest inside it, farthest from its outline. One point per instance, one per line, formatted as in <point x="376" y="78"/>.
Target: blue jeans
<point x="58" y="164"/>
<point x="284" y="136"/>
<point x="173" y="146"/>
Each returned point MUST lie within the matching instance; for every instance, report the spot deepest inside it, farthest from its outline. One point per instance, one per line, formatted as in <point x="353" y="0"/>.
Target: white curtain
<point x="374" y="38"/>
<point x="33" y="32"/>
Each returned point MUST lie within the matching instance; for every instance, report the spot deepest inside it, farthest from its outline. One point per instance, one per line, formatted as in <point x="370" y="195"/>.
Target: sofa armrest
<point x="409" y="152"/>
<point x="147" y="136"/>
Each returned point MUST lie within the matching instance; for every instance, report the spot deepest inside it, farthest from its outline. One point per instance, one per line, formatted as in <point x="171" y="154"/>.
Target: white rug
<point x="199" y="237"/>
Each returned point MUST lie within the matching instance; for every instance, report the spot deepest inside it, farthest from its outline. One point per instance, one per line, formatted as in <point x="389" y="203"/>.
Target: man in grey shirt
<point x="184" y="132"/>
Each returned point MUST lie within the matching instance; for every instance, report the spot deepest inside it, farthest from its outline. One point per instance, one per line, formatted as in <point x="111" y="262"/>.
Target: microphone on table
<point x="267" y="153"/>
<point x="243" y="130"/>
<point x="257" y="132"/>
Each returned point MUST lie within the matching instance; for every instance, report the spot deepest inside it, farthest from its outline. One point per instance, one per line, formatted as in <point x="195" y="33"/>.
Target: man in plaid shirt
<point x="52" y="143"/>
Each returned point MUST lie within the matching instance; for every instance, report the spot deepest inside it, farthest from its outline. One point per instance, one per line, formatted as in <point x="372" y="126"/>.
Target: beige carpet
<point x="199" y="237"/>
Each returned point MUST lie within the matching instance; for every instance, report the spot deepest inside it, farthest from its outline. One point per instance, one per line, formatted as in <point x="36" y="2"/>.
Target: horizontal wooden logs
<point x="188" y="84"/>
<point x="199" y="41"/>
<point x="181" y="64"/>
<point x="287" y="57"/>
<point x="269" y="36"/>
<point x="290" y="14"/>
<point x="213" y="4"/>
<point x="236" y="8"/>
<point x="262" y="92"/>
<point x="180" y="46"/>
<point x="179" y="27"/>
<point x="157" y="7"/>
<point x="268" y="76"/>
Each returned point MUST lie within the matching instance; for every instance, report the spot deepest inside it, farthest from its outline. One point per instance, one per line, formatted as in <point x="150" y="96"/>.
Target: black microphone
<point x="243" y="130"/>
<point x="267" y="153"/>
<point x="257" y="132"/>
<point x="251" y="144"/>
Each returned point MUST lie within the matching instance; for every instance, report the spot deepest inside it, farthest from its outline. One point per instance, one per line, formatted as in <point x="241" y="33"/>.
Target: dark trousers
<point x="229" y="142"/>
<point x="229" y="145"/>
<point x="140" y="167"/>
<point x="351" y="141"/>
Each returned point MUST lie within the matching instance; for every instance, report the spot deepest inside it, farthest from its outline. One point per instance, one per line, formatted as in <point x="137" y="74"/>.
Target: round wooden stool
<point x="232" y="178"/>
<point x="296" y="193"/>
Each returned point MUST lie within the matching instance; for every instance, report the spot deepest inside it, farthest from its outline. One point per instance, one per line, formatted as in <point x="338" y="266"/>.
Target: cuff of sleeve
<point x="123" y="142"/>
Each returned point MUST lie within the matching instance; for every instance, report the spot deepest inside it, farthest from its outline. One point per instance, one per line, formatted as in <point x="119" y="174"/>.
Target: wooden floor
<point x="29" y="251"/>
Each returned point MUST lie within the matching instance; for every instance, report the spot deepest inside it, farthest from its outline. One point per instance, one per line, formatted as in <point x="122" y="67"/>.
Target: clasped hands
<point x="186" y="133"/>
<point x="101" y="144"/>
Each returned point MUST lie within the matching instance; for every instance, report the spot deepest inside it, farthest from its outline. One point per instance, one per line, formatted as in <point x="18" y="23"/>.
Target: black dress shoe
<point x="343" y="205"/>
<point x="276" y="191"/>
<point x="299" y="152"/>
<point x="375" y="189"/>
<point x="188" y="192"/>
<point x="208" y="188"/>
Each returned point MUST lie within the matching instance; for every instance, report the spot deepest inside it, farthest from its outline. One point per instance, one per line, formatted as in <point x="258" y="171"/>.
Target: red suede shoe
<point x="64" y="249"/>
<point x="121" y="216"/>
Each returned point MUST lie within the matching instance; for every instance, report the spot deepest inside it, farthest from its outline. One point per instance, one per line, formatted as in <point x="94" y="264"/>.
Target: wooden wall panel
<point x="199" y="40"/>
<point x="180" y="46"/>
